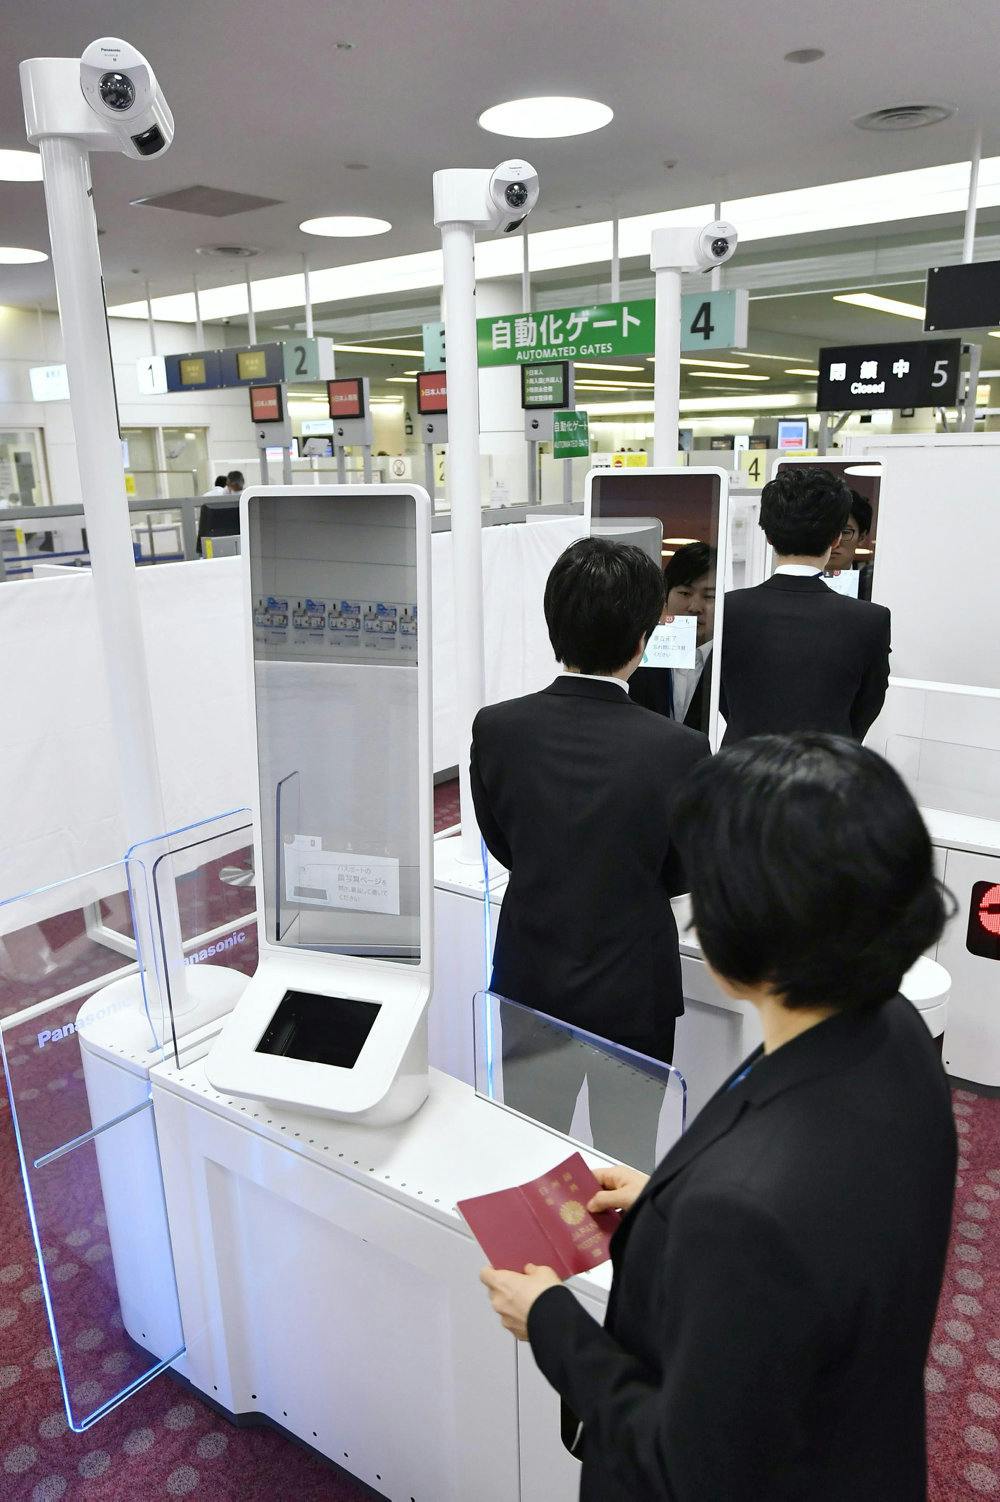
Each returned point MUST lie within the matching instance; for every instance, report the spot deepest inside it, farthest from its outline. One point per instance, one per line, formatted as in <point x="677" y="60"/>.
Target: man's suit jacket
<point x="653" y="689"/>
<point x="775" y="1285"/>
<point x="797" y="656"/>
<point x="573" y="788"/>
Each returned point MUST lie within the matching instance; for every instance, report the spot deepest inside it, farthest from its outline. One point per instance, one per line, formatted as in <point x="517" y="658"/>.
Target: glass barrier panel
<point x="958" y="779"/>
<point x="599" y="1094"/>
<point x="77" y="1039"/>
<point x="195" y="901"/>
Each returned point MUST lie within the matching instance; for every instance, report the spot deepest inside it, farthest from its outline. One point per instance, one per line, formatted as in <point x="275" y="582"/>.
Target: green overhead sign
<point x="570" y="435"/>
<point x="709" y="320"/>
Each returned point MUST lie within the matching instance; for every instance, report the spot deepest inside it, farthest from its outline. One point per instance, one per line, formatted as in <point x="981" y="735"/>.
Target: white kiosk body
<point x="335" y="581"/>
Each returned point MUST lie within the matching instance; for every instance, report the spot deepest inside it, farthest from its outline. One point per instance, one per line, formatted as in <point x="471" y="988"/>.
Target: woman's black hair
<point x="601" y="599"/>
<point x="810" y="869"/>
<point x="689" y="563"/>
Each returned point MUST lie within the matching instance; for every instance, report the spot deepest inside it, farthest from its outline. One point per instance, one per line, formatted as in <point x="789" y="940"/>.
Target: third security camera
<point x="514" y="193"/>
<point x="689" y="249"/>
<point x="121" y="89"/>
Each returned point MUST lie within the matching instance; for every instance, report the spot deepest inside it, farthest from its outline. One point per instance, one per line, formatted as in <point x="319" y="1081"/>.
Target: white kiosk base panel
<point x="326" y="1282"/>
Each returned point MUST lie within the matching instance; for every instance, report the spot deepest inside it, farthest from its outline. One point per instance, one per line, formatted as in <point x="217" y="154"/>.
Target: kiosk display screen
<point x="432" y="392"/>
<point x="336" y="643"/>
<point x="266" y="404"/>
<point x="319" y="1029"/>
<point x="346" y="398"/>
<point x="983" y="936"/>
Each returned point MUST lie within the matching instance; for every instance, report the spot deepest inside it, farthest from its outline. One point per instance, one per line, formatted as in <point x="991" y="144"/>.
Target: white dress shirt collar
<point x="594" y="678"/>
<point x="798" y="570"/>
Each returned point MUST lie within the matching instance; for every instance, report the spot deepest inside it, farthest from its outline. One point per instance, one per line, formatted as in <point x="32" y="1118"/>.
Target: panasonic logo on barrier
<point x="59" y="1034"/>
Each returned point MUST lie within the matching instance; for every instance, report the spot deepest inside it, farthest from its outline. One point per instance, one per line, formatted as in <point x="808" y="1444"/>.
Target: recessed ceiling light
<point x="20" y="167"/>
<point x="801" y="370"/>
<point x="805" y="55"/>
<point x="15" y="255"/>
<point x="879" y="304"/>
<point x="604" y="365"/>
<point x="718" y="375"/>
<point x="344" y="226"/>
<point x="376" y="349"/>
<point x="715" y="364"/>
<point x="546" y="117"/>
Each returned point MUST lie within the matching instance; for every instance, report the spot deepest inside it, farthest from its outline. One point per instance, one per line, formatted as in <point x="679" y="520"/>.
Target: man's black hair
<point x="602" y="599"/>
<point x="810" y="869"/>
<point x="862" y="511"/>
<point x="803" y="510"/>
<point x="235" y="477"/>
<point x="220" y="481"/>
<point x="688" y="564"/>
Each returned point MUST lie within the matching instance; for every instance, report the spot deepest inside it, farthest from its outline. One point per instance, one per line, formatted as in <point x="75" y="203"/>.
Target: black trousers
<point x="544" y="1069"/>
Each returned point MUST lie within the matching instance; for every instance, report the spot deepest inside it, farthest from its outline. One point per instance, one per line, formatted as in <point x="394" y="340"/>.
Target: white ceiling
<point x="265" y="103"/>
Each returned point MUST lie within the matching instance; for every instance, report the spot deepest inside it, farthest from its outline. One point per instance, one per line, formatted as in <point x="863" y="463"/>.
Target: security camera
<point x="689" y="249"/>
<point x="121" y="89"/>
<point x="498" y="200"/>
<point x="513" y="194"/>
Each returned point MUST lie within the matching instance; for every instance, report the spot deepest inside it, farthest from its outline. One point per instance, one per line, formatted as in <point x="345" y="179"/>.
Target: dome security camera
<point x="121" y="88"/>
<point x="715" y="244"/>
<point x="513" y="194"/>
<point x="690" y="248"/>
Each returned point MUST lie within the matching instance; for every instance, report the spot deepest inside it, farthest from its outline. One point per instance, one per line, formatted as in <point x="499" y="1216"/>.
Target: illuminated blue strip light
<point x="161" y="1366"/>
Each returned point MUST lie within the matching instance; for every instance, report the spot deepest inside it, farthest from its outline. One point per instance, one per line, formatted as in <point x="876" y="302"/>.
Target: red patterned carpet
<point x="166" y="1443"/>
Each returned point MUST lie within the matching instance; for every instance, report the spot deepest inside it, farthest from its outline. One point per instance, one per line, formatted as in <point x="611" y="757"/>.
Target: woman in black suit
<point x="776" y="1280"/>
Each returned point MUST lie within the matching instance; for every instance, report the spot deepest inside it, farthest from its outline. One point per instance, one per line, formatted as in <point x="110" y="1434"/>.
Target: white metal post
<point x="667" y="372"/>
<point x="307" y="294"/>
<point x="970" y="212"/>
<point x="458" y="245"/>
<point x="251" y="318"/>
<point x="616" y="265"/>
<point x="199" y="328"/>
<point x="76" y="263"/>
<point x="149" y="321"/>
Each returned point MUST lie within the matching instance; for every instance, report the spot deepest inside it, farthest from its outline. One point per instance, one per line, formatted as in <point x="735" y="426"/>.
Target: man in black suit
<point x="684" y="694"/>
<point x="776" y="1280"/>
<point x="795" y="655"/>
<point x="572" y="788"/>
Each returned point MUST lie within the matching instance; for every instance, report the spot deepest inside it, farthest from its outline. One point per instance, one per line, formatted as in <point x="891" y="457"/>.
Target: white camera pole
<point x="65" y="130"/>
<point x="667" y="374"/>
<point x="458" y="244"/>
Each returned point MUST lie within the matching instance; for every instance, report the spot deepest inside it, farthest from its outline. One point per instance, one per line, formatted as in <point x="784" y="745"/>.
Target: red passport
<point x="546" y="1222"/>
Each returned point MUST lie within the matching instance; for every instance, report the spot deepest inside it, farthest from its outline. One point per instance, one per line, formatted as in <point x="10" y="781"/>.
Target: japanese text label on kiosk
<point x="266" y="404"/>
<point x="432" y="392"/>
<point x="346" y="398"/>
<point x="545" y="387"/>
<point x="915" y="373"/>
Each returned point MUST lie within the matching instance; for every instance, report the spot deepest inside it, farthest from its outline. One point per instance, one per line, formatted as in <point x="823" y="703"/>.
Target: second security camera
<point x="513" y="193"/>
<point x="121" y="89"/>
<point x="688" y="248"/>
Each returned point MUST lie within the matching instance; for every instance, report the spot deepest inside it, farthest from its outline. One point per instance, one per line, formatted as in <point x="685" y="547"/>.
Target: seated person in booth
<point x="684" y="694"/>
<point x="795" y="654"/>
<point x="572" y="788"/>
<point x="855" y="535"/>
<point x="235" y="482"/>
<point x="775" y="1281"/>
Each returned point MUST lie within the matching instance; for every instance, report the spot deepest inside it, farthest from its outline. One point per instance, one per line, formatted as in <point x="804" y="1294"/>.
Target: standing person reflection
<point x="776" y="1279"/>
<point x="855" y="535"/>
<point x="684" y="694"/>
<point x="796" y="655"/>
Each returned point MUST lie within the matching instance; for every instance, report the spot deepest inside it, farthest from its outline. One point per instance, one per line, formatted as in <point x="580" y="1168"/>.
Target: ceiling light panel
<point x="718" y="375"/>
<point x="17" y="255"/>
<point x="546" y="117"/>
<point x="344" y="226"/>
<point x="877" y="304"/>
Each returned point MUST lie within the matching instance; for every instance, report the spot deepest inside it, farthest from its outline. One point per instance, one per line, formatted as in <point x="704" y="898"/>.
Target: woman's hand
<point x="512" y="1294"/>
<point x="620" y="1188"/>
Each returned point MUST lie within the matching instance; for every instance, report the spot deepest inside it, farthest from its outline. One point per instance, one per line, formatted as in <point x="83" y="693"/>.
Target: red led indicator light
<point x="983" y="933"/>
<point x="989" y="910"/>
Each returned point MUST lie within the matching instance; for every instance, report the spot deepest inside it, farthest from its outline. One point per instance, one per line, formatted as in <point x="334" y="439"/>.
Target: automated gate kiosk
<point x="295" y="1254"/>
